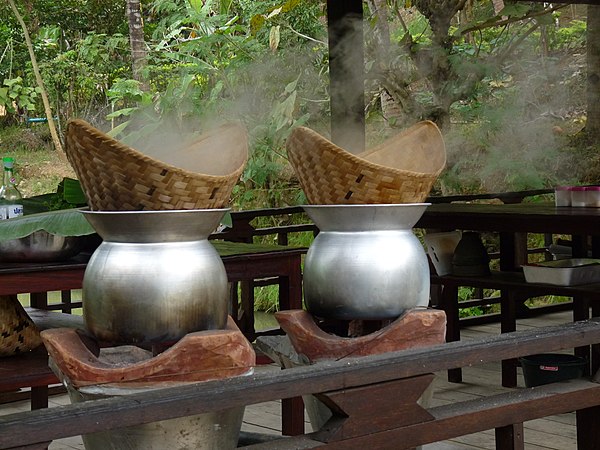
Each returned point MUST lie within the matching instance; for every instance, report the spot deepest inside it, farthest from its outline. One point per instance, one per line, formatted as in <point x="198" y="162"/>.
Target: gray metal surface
<point x="155" y="277"/>
<point x="41" y="246"/>
<point x="215" y="430"/>
<point x="366" y="263"/>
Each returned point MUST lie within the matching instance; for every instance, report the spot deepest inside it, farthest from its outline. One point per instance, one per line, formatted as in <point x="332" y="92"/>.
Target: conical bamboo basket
<point x="401" y="170"/>
<point x="18" y="333"/>
<point x="116" y="177"/>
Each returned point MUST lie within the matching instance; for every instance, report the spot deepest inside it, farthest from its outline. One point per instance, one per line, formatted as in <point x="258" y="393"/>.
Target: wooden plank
<point x="468" y="417"/>
<point x="368" y="409"/>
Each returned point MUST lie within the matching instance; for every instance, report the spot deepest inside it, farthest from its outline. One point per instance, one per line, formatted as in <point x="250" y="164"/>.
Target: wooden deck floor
<point x="556" y="432"/>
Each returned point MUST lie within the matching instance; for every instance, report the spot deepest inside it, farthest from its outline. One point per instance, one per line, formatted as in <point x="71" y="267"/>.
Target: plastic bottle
<point x="11" y="200"/>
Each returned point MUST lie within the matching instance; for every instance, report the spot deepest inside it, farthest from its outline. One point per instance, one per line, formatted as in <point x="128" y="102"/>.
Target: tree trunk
<point x="40" y="82"/>
<point x="592" y="127"/>
<point x="390" y="108"/>
<point x="136" y="38"/>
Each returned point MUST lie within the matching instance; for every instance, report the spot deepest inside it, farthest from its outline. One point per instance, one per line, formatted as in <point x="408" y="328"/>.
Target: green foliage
<point x="65" y="222"/>
<point x="570" y="37"/>
<point x="16" y="97"/>
<point x="69" y="194"/>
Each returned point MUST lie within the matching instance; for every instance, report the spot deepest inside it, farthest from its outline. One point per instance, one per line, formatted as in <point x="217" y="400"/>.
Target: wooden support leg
<point x="588" y="432"/>
<point x="290" y="297"/>
<point x="39" y="397"/>
<point x="510" y="437"/>
<point x="595" y="351"/>
<point x="246" y="321"/>
<point x="449" y="303"/>
<point x="508" y="323"/>
<point x="292" y="416"/>
<point x="38" y="300"/>
<point x="581" y="311"/>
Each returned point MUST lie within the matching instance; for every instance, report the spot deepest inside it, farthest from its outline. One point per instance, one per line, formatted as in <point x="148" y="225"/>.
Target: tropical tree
<point x="436" y="54"/>
<point x="136" y="38"/>
<point x="593" y="77"/>
<point x="40" y="81"/>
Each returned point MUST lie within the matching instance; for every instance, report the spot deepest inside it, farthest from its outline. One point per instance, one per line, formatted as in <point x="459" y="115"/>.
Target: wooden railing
<point x="357" y="390"/>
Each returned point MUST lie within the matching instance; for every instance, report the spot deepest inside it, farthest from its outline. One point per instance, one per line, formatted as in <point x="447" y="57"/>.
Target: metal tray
<point x="564" y="272"/>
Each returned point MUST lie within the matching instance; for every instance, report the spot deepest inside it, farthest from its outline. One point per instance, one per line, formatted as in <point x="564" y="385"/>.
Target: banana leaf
<point x="68" y="195"/>
<point x="64" y="222"/>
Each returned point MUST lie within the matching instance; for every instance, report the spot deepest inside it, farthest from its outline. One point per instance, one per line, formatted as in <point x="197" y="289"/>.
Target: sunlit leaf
<point x="196" y="5"/>
<point x="274" y="13"/>
<point x="65" y="222"/>
<point x="291" y="87"/>
<point x="118" y="129"/>
<point x="274" y="36"/>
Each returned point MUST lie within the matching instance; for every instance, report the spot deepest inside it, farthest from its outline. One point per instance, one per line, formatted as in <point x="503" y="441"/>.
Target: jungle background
<point x="513" y="86"/>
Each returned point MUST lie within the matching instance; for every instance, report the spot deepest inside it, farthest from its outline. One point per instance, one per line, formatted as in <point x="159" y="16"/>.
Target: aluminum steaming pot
<point x="155" y="277"/>
<point x="365" y="263"/>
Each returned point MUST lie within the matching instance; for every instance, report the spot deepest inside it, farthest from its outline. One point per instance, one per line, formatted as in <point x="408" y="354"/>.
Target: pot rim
<point x="155" y="226"/>
<point x="366" y="217"/>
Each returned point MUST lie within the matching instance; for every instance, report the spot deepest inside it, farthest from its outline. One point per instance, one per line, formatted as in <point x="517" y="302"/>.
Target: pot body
<point x="155" y="277"/>
<point x="214" y="430"/>
<point x="365" y="263"/>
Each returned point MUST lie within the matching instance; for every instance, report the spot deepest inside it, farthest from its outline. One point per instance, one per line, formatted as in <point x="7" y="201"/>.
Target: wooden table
<point x="246" y="263"/>
<point x="513" y="222"/>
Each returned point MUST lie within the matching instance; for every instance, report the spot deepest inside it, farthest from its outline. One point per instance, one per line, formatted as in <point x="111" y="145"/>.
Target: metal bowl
<point x="41" y="246"/>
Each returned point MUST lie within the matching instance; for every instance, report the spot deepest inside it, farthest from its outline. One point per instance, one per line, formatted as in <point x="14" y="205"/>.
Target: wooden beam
<point x="346" y="73"/>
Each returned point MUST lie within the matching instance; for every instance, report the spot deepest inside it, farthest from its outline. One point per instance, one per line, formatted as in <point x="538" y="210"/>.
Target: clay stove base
<point x="415" y="328"/>
<point x="201" y="356"/>
<point x="306" y="343"/>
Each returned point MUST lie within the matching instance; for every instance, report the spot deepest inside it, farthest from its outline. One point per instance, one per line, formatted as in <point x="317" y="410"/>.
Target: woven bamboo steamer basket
<point x="18" y="333"/>
<point x="403" y="169"/>
<point x="116" y="177"/>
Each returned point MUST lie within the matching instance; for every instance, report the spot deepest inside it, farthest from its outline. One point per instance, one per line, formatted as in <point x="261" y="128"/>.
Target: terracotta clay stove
<point x="161" y="332"/>
<point x="366" y="287"/>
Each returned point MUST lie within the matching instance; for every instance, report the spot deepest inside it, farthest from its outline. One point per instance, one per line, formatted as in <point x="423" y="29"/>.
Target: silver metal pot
<point x="155" y="277"/>
<point x="365" y="263"/>
<point x="41" y="246"/>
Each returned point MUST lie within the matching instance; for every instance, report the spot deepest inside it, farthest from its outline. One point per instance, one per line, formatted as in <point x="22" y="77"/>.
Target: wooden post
<point x="510" y="437"/>
<point x="346" y="73"/>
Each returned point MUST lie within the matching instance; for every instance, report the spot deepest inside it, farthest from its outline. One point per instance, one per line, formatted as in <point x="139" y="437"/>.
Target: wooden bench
<point x="30" y="370"/>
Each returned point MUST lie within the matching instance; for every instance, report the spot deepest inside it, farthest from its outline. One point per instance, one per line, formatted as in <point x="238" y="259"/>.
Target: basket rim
<point x="357" y="159"/>
<point x="136" y="154"/>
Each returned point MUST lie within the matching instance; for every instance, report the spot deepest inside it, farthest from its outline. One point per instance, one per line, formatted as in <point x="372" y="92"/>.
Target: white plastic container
<point x="564" y="272"/>
<point x="592" y="196"/>
<point x="562" y="196"/>
<point x="579" y="196"/>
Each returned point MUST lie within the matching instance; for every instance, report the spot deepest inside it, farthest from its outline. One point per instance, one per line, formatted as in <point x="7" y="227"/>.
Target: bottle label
<point x="3" y="213"/>
<point x="13" y="211"/>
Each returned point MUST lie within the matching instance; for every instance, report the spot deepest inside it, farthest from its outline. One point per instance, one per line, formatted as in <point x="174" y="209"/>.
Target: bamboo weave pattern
<point x="401" y="170"/>
<point x="116" y="177"/>
<point x="18" y="333"/>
